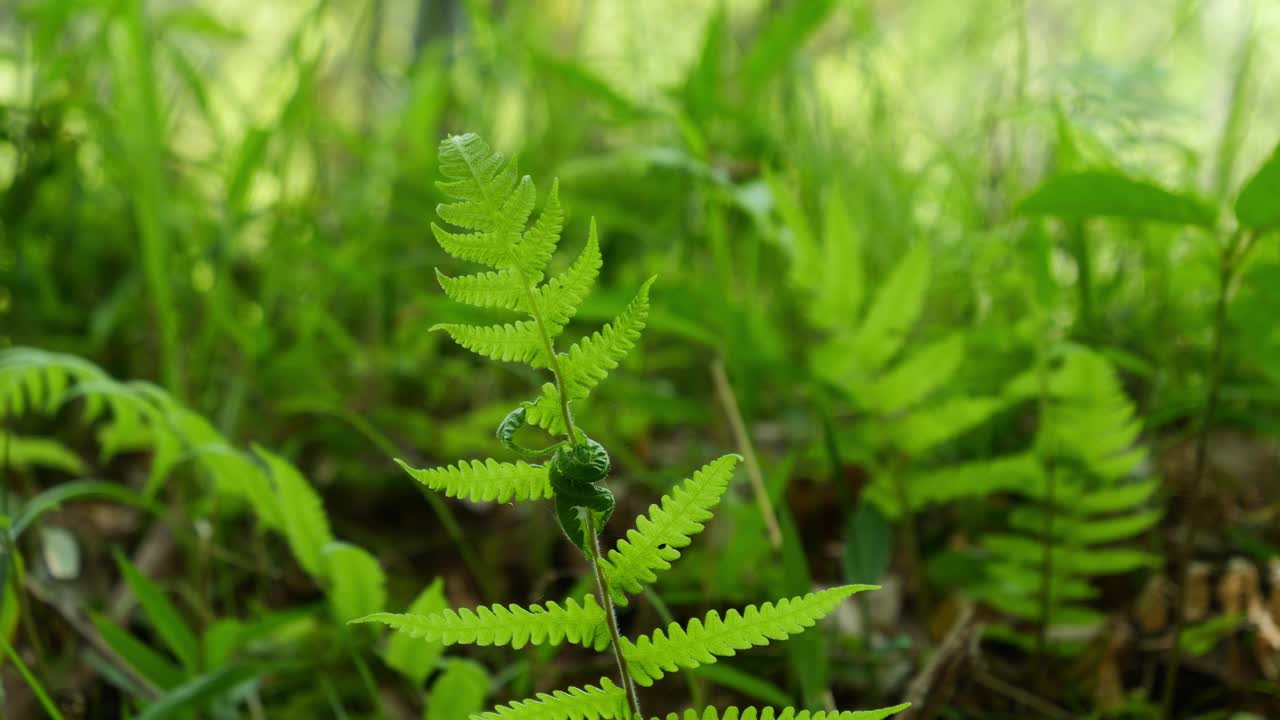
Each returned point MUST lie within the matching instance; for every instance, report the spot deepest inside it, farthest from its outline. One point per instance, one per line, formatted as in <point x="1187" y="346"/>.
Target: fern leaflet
<point x="769" y="713"/>
<point x="590" y="360"/>
<point x="590" y="703"/>
<point x="651" y="657"/>
<point x="487" y="481"/>
<point x="506" y="624"/>
<point x="655" y="541"/>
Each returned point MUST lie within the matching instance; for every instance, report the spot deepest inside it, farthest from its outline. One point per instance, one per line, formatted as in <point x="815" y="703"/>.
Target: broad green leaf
<point x="459" y="692"/>
<point x="1107" y="193"/>
<point x="415" y="658"/>
<point x="1258" y="205"/>
<point x="356" y="583"/>
<point x="305" y="524"/>
<point x="163" y="615"/>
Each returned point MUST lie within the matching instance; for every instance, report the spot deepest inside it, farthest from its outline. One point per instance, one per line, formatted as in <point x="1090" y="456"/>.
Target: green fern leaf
<point x="512" y="625"/>
<point x="651" y="657"/>
<point x="498" y="230"/>
<point x="500" y="289"/>
<point x="590" y="360"/>
<point x="1086" y="447"/>
<point x="655" y="541"/>
<point x="769" y="713"/>
<point x="536" y="247"/>
<point x="513" y="342"/>
<point x="487" y="481"/>
<point x="560" y="297"/>
<point x="589" y="703"/>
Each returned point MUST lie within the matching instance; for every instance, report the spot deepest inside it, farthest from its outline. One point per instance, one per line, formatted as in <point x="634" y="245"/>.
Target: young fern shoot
<point x="494" y="206"/>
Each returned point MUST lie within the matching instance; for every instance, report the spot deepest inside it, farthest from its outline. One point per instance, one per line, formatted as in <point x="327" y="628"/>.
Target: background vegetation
<point x="972" y="286"/>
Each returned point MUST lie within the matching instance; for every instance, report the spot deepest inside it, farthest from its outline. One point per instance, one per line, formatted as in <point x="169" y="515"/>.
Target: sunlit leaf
<point x="1107" y="193"/>
<point x="1258" y="205"/>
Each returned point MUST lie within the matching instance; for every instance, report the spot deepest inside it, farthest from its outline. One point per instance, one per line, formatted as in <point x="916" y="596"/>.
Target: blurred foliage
<point x="897" y="225"/>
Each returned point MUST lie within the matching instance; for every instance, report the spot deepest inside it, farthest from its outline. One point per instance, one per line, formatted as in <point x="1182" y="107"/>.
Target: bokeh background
<point x="230" y="201"/>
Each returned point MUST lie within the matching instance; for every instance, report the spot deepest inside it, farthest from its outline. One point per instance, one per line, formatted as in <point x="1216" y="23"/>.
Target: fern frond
<point x="589" y="361"/>
<point x="1087" y="456"/>
<point x="487" y="481"/>
<point x="498" y="232"/>
<point x="655" y="541"/>
<point x="480" y="180"/>
<point x="651" y="657"/>
<point x="769" y="713"/>
<point x="513" y="342"/>
<point x="512" y="625"/>
<point x="39" y="381"/>
<point x="589" y="703"/>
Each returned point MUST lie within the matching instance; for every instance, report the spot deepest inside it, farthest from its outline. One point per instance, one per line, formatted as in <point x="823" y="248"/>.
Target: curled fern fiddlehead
<point x="574" y="472"/>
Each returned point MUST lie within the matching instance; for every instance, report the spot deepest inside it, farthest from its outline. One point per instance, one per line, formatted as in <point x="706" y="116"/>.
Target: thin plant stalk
<point x="730" y="403"/>
<point x="1232" y="257"/>
<point x="37" y="689"/>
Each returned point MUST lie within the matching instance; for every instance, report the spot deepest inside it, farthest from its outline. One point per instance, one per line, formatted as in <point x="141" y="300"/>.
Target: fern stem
<point x="1232" y="257"/>
<point x="553" y="362"/>
<point x="611" y="616"/>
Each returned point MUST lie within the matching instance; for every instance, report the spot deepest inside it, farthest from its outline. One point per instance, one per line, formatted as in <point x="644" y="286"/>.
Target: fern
<point x="506" y="625"/>
<point x="590" y="703"/>
<point x="495" y="205"/>
<point x="787" y="714"/>
<point x="700" y="642"/>
<point x="489" y="200"/>
<point x="589" y="361"/>
<point x="1084" y="505"/>
<point x="657" y="538"/>
<point x="488" y="481"/>
<point x="139" y="415"/>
